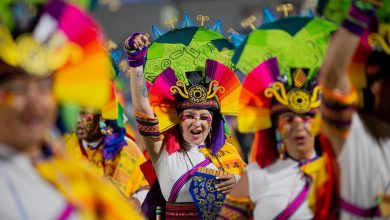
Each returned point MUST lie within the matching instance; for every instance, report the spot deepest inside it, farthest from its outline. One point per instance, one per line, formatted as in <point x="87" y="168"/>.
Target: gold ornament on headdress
<point x="35" y="58"/>
<point x="299" y="78"/>
<point x="297" y="99"/>
<point x="382" y="38"/>
<point x="202" y="19"/>
<point x="171" y="22"/>
<point x="111" y="45"/>
<point x="197" y="93"/>
<point x="285" y="8"/>
<point x="249" y="22"/>
<point x="231" y="31"/>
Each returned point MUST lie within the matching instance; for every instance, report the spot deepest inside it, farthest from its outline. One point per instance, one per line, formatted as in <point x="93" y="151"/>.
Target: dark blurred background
<point x="121" y="17"/>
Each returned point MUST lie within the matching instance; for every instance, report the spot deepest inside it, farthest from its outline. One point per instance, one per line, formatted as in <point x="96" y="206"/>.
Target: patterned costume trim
<point x="279" y="108"/>
<point x="181" y="211"/>
<point x="226" y="159"/>
<point x="337" y="111"/>
<point x="208" y="104"/>
<point x="236" y="208"/>
<point x="148" y="127"/>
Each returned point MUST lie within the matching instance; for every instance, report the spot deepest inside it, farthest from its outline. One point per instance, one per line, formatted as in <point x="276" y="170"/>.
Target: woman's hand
<point x="140" y="41"/>
<point x="136" y="41"/>
<point x="227" y="185"/>
<point x="136" y="48"/>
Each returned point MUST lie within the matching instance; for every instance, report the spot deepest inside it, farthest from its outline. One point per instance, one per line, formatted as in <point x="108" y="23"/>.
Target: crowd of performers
<point x="314" y="95"/>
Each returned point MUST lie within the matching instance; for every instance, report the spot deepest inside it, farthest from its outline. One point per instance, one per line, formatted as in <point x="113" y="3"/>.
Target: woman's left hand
<point x="227" y="185"/>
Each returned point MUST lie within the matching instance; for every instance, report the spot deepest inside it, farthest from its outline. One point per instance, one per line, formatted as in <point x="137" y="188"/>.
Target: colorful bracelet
<point x="148" y="127"/>
<point x="135" y="57"/>
<point x="357" y="21"/>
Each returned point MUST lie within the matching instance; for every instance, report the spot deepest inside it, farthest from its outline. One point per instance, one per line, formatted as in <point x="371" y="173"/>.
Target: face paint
<point x="86" y="119"/>
<point x="189" y="119"/>
<point x="10" y="93"/>
<point x="284" y="126"/>
<point x="7" y="99"/>
<point x="313" y="124"/>
<point x="195" y="125"/>
<point x="286" y="122"/>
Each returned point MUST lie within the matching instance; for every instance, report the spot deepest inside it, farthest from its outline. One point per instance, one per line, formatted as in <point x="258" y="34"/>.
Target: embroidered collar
<point x="92" y="145"/>
<point x="200" y="146"/>
<point x="313" y="158"/>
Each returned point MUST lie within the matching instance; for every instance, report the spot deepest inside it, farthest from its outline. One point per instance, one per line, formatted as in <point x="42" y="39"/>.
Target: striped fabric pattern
<point x="148" y="127"/>
<point x="337" y="111"/>
<point x="236" y="208"/>
<point x="299" y="78"/>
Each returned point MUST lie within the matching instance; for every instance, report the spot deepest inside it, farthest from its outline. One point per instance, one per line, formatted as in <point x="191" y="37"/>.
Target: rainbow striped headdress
<point x="44" y="41"/>
<point x="280" y="59"/>
<point x="51" y="44"/>
<point x="281" y="74"/>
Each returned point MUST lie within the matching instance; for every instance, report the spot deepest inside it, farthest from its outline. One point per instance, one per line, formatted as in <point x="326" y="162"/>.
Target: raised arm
<point x="338" y="94"/>
<point x="136" y="47"/>
<point x="334" y="70"/>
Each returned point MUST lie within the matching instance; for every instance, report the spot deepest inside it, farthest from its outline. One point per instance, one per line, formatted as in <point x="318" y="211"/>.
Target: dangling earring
<point x="104" y="129"/>
<point x="279" y="141"/>
<point x="209" y="136"/>
<point x="280" y="145"/>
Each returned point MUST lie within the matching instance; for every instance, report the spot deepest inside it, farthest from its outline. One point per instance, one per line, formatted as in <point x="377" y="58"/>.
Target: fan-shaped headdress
<point x="281" y="60"/>
<point x="50" y="42"/>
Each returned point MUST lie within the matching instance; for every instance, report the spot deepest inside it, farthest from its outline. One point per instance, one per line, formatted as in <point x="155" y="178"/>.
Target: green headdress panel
<point x="294" y="41"/>
<point x="186" y="48"/>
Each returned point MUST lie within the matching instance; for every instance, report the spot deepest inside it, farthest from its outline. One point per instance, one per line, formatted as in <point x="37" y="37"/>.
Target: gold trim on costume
<point x="36" y="58"/>
<point x="197" y="93"/>
<point x="382" y="38"/>
<point x="297" y="99"/>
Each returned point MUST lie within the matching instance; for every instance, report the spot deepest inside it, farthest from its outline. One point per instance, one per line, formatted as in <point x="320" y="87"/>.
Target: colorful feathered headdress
<point x="281" y="74"/>
<point x="46" y="41"/>
<point x="191" y="67"/>
<point x="280" y="59"/>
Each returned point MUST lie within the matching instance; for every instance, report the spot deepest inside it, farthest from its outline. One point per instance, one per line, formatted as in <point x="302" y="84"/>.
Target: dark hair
<point x="377" y="67"/>
<point x="8" y="72"/>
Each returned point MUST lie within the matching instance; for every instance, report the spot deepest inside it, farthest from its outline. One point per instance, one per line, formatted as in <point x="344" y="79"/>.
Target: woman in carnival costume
<point x="181" y="120"/>
<point x="38" y="181"/>
<point x="359" y="138"/>
<point x="279" y="101"/>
